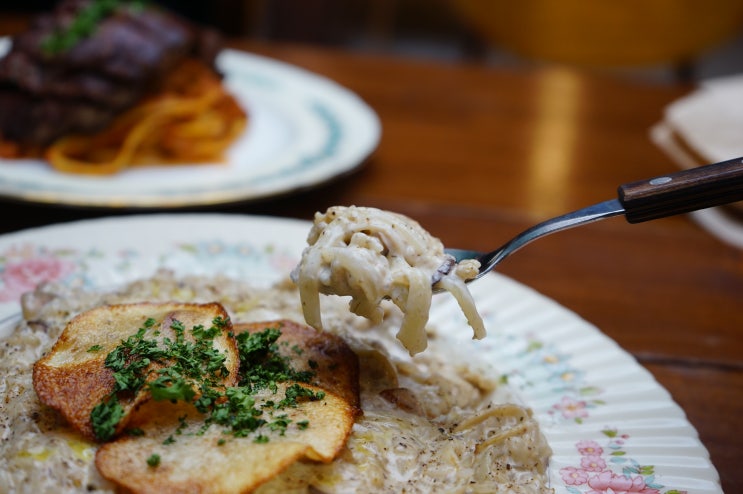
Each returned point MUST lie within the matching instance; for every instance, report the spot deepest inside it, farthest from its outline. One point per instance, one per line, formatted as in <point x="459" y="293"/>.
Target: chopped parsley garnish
<point x="191" y="370"/>
<point x="261" y="366"/>
<point x="153" y="460"/>
<point x="105" y="417"/>
<point x="296" y="392"/>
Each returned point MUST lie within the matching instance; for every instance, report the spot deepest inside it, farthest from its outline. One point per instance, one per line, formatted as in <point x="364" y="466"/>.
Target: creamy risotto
<point x="428" y="424"/>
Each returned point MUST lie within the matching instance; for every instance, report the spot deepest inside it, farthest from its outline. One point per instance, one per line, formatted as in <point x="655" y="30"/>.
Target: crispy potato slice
<point x="190" y="460"/>
<point x="335" y="365"/>
<point x="73" y="378"/>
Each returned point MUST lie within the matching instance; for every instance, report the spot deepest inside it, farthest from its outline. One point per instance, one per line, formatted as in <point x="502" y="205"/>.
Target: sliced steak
<point x="45" y="93"/>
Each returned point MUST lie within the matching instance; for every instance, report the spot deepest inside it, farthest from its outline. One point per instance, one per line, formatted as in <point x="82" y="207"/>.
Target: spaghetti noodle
<point x="522" y="423"/>
<point x="191" y="119"/>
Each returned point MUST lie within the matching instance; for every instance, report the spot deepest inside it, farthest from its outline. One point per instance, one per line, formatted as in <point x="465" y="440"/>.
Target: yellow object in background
<point x="604" y="33"/>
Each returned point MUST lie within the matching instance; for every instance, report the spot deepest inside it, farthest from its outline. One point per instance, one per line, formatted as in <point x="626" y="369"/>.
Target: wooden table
<point x="477" y="154"/>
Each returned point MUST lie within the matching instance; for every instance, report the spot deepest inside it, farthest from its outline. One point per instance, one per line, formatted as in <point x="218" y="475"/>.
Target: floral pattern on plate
<point x="603" y="429"/>
<point x="24" y="266"/>
<point x="610" y="471"/>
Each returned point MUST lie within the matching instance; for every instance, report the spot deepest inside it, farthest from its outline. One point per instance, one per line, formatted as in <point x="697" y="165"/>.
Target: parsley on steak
<point x="85" y="23"/>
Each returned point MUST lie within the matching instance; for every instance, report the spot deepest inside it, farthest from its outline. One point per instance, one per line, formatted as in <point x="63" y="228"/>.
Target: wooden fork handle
<point x="682" y="192"/>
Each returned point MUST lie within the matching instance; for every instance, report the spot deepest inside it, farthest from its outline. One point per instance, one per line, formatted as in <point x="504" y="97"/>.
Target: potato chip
<point x="73" y="377"/>
<point x="176" y="453"/>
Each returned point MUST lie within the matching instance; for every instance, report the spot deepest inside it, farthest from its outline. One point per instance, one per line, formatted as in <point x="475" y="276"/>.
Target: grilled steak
<point x="46" y="93"/>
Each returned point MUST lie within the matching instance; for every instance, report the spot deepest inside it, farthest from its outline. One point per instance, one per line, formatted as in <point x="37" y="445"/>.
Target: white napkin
<point x="709" y="123"/>
<point x="710" y="120"/>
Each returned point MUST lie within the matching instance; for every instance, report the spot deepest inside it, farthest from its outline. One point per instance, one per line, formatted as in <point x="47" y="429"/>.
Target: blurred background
<point x="659" y="40"/>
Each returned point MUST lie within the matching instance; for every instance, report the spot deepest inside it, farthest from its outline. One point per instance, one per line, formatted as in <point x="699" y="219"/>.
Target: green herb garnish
<point x="182" y="363"/>
<point x="105" y="417"/>
<point x="261" y="366"/>
<point x="84" y="24"/>
<point x="153" y="460"/>
<point x="192" y="370"/>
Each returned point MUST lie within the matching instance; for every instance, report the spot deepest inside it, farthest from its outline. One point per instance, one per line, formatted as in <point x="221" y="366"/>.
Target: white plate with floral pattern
<point x="303" y="130"/>
<point x="613" y="429"/>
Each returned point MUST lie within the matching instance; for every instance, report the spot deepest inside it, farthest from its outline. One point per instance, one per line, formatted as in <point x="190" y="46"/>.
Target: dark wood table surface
<point x="477" y="154"/>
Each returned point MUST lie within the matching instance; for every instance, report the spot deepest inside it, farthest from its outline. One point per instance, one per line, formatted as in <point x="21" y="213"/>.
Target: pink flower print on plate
<point x="23" y="275"/>
<point x="572" y="409"/>
<point x="611" y="483"/>
<point x="589" y="448"/>
<point x="609" y="470"/>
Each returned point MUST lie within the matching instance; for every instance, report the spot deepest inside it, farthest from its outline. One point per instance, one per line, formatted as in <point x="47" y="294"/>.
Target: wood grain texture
<point x="478" y="153"/>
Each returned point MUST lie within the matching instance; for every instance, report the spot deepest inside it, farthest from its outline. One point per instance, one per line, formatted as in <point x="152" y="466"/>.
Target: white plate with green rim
<point x="303" y="131"/>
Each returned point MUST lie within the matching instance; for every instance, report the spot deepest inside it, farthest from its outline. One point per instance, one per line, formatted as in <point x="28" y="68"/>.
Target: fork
<point x="667" y="195"/>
